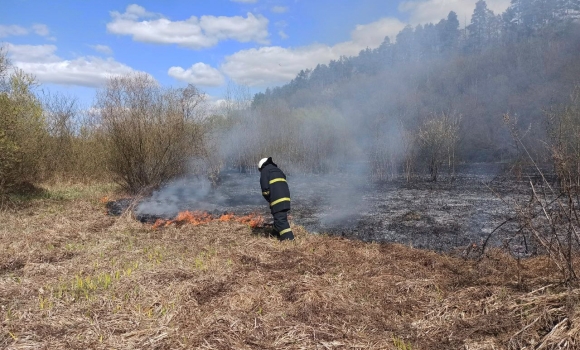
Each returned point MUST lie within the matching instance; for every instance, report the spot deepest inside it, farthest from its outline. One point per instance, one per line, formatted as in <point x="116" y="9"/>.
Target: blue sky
<point x="73" y="46"/>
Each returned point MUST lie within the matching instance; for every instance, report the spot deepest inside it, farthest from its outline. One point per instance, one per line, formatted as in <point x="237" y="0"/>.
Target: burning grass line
<point x="196" y="218"/>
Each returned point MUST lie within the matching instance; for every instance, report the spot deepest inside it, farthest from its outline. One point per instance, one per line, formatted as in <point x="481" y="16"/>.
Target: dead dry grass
<point x="73" y="278"/>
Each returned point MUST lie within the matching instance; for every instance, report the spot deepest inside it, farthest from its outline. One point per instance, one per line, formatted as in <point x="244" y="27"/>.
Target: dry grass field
<point x="72" y="277"/>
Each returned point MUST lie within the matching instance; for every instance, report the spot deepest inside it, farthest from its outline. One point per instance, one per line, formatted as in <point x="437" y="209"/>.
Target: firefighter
<point x="275" y="190"/>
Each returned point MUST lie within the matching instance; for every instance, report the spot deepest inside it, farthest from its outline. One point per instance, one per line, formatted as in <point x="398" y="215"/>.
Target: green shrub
<point x="22" y="130"/>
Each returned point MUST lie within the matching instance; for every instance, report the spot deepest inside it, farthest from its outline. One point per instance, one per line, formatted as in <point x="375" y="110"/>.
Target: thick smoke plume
<point x="414" y="108"/>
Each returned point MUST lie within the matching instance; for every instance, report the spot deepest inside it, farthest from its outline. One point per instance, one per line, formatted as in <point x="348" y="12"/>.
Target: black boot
<point x="288" y="236"/>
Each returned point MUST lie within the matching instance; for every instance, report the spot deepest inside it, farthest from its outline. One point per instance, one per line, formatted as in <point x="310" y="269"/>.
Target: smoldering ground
<point x="442" y="216"/>
<point x="240" y="193"/>
<point x="334" y="166"/>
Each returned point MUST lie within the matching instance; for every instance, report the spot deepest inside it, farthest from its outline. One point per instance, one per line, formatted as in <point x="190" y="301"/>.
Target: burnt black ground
<point x="442" y="216"/>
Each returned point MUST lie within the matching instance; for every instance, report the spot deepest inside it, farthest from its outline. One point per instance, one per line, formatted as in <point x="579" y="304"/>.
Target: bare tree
<point x="387" y="149"/>
<point x="439" y="137"/>
<point x="563" y="128"/>
<point x="409" y="142"/>
<point x="4" y="68"/>
<point x="240" y="124"/>
<point x="60" y="113"/>
<point x="552" y="215"/>
<point x="151" y="131"/>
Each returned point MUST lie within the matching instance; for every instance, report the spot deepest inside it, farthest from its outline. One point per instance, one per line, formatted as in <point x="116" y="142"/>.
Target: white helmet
<point x="261" y="162"/>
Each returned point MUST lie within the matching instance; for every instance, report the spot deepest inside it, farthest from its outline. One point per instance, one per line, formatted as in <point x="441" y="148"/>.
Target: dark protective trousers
<point x="282" y="229"/>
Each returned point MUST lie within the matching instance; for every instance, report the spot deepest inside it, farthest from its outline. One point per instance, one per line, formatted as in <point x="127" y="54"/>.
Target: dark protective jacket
<point x="275" y="188"/>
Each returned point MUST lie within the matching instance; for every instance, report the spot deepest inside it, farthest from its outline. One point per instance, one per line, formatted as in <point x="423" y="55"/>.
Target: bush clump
<point x="150" y="132"/>
<point x="22" y="129"/>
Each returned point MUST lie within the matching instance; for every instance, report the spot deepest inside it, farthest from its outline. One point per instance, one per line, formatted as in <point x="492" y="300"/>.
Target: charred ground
<point x="449" y="215"/>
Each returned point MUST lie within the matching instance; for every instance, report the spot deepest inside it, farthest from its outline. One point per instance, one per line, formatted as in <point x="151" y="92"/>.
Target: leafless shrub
<point x="88" y="153"/>
<point x="563" y="128"/>
<point x="266" y="131"/>
<point x="4" y="65"/>
<point x="321" y="142"/>
<point x="519" y="137"/>
<point x="60" y="112"/>
<point x="386" y="155"/>
<point x="552" y="216"/>
<point x="438" y="138"/>
<point x="210" y="163"/>
<point x="233" y="130"/>
<point x="242" y="156"/>
<point x="151" y="132"/>
<point x="237" y="98"/>
<point x="309" y="140"/>
<point x="410" y="150"/>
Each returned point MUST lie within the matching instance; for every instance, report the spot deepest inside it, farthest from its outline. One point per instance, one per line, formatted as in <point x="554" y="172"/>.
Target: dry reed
<point x="72" y="277"/>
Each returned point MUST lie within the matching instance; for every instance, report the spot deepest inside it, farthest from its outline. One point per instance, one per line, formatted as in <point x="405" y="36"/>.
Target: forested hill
<point x="521" y="62"/>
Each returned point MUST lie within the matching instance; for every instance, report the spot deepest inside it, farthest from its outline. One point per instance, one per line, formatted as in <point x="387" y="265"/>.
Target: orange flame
<point x="252" y="220"/>
<point x="199" y="217"/>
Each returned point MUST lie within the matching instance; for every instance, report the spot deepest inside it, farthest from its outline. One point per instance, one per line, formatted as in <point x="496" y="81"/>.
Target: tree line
<point x="521" y="62"/>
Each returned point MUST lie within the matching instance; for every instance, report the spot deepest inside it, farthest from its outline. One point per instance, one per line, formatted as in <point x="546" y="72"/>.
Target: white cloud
<point x="41" y="29"/>
<point x="198" y="74"/>
<point x="32" y="53"/>
<point x="41" y="61"/>
<point x="274" y="65"/>
<point x="283" y="34"/>
<point x="196" y="33"/>
<point x="252" y="28"/>
<point x="83" y="71"/>
<point x="425" y="11"/>
<point x="11" y="30"/>
<point x="135" y="12"/>
<point x="373" y="34"/>
<point x="279" y="9"/>
<point x="102" y="49"/>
